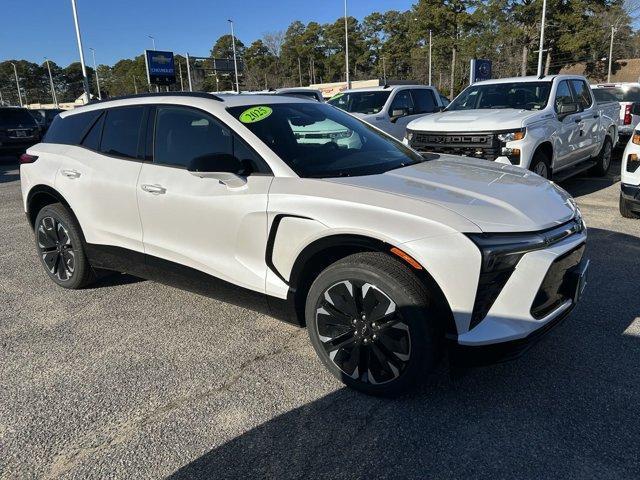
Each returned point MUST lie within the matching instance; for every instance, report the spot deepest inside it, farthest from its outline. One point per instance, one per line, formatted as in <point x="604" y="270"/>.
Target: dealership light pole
<point x="95" y="70"/>
<point x="541" y="52"/>
<point x="346" y="45"/>
<point x="430" y="43"/>
<point x="85" y="80"/>
<point x="235" y="60"/>
<point x="153" y="41"/>
<point x="53" y="89"/>
<point x="15" y="72"/>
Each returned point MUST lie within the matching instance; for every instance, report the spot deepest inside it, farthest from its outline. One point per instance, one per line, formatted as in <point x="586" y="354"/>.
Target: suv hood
<point x="473" y="120"/>
<point x="495" y="197"/>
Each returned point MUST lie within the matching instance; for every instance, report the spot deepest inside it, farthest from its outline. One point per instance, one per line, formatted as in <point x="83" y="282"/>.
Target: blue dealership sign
<point x="160" y="67"/>
<point x="480" y="70"/>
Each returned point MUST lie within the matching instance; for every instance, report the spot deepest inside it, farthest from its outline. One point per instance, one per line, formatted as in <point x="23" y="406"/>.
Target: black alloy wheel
<point x="60" y="246"/>
<point x="374" y="323"/>
<point x="362" y="332"/>
<point x="56" y="248"/>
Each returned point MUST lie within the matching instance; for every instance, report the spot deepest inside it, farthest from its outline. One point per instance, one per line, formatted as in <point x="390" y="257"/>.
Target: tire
<point x="373" y="324"/>
<point x="603" y="160"/>
<point x="625" y="209"/>
<point x="60" y="246"/>
<point x="541" y="164"/>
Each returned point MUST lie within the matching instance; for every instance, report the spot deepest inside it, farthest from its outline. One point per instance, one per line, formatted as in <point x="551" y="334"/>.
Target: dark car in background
<point x="18" y="130"/>
<point x="44" y="116"/>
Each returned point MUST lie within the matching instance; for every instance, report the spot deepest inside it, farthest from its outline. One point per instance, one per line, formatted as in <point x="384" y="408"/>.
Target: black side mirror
<point x="567" y="109"/>
<point x="398" y="113"/>
<point x="217" y="162"/>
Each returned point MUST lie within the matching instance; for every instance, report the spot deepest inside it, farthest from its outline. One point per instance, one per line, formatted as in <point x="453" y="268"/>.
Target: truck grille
<point x="479" y="145"/>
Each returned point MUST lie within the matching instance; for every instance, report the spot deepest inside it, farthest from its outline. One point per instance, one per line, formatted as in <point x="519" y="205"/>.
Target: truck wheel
<point x="372" y="323"/>
<point x="540" y="164"/>
<point x="603" y="160"/>
<point x="625" y="209"/>
<point x="60" y="248"/>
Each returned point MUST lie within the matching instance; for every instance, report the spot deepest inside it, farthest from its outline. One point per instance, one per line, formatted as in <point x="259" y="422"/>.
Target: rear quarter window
<point x="71" y="129"/>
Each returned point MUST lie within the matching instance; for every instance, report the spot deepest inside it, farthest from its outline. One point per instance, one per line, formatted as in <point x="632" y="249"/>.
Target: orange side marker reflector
<point x="406" y="257"/>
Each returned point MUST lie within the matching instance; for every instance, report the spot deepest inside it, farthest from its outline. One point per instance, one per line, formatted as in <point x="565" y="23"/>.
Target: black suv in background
<point x="18" y="130"/>
<point x="44" y="117"/>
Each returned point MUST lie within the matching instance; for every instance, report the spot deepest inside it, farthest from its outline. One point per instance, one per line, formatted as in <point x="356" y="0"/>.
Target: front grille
<point x="555" y="290"/>
<point x="479" y="145"/>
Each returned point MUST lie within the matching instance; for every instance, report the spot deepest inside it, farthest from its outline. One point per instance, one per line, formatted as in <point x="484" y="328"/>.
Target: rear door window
<point x="121" y="132"/>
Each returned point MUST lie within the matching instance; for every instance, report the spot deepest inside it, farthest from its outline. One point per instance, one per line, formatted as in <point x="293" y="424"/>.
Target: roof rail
<point x="210" y="96"/>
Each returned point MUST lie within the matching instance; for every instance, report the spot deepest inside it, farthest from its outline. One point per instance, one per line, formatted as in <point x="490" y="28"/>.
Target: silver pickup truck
<point x="551" y="125"/>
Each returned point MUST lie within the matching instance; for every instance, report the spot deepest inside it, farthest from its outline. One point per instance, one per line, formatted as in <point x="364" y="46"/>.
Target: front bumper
<point x="542" y="290"/>
<point x="631" y="193"/>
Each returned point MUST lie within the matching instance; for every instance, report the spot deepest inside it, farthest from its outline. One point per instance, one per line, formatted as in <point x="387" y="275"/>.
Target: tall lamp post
<point x="53" y="89"/>
<point x="95" y="69"/>
<point x="15" y="72"/>
<point x="346" y="45"/>
<point x="153" y="41"/>
<point x="540" y="51"/>
<point x="85" y="80"/>
<point x="235" y="60"/>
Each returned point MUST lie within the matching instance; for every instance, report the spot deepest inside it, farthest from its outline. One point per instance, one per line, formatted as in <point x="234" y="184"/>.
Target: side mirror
<point x="224" y="167"/>
<point x="567" y="109"/>
<point x="398" y="113"/>
<point x="635" y="109"/>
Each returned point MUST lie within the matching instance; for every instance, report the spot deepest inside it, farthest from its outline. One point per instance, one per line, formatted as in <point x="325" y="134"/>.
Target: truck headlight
<point x="512" y="136"/>
<point x="408" y="135"/>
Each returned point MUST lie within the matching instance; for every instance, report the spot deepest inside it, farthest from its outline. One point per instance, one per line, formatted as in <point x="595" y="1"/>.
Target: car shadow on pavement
<point x="568" y="408"/>
<point x="584" y="185"/>
<point x="9" y="171"/>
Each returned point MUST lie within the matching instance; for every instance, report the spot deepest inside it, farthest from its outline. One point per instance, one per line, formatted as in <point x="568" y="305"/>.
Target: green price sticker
<point x="255" y="114"/>
<point x="336" y="96"/>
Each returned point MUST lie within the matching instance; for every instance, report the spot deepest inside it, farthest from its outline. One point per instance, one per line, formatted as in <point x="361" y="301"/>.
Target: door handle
<point x="70" y="173"/>
<point x="155" y="189"/>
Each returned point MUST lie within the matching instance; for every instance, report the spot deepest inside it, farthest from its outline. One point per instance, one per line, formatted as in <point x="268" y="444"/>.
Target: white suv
<point x="386" y="257"/>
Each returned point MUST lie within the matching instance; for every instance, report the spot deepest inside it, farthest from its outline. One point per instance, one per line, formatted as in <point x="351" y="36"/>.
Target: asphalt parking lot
<point x="137" y="379"/>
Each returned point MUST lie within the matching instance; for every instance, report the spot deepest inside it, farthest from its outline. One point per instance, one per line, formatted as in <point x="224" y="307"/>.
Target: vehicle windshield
<point x="518" y="95"/>
<point x="12" y="117"/>
<point x="319" y="141"/>
<point x="360" y="102"/>
<point x="622" y="94"/>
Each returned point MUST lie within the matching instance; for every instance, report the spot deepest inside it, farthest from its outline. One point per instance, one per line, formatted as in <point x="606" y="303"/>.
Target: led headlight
<point x="512" y="136"/>
<point x="503" y="251"/>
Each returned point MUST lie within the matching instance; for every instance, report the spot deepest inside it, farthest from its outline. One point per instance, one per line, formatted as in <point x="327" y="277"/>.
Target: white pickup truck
<point x="551" y="125"/>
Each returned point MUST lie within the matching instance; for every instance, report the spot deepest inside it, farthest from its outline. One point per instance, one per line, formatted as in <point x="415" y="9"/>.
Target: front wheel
<point x="372" y="324"/>
<point x="541" y="165"/>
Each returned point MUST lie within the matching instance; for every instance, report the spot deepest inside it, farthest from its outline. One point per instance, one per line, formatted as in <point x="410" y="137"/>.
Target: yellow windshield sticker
<point x="255" y="114"/>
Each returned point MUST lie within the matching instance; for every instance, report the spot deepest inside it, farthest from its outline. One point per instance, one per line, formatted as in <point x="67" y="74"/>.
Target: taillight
<point x="26" y="158"/>
<point x="627" y="114"/>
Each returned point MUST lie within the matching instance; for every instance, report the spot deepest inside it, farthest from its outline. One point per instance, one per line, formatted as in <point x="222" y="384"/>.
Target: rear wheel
<point x="541" y="165"/>
<point x="603" y="160"/>
<point x="371" y="323"/>
<point x="625" y="209"/>
<point x="60" y="248"/>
